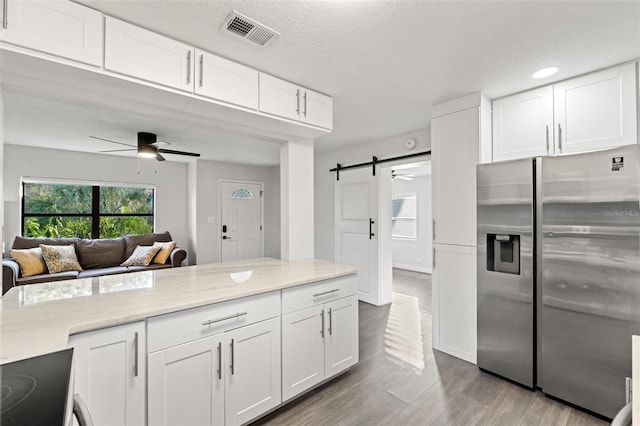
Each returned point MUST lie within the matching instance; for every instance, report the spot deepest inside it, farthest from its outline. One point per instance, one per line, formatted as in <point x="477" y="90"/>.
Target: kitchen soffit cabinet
<point x="110" y="373"/>
<point x="60" y="28"/>
<point x="288" y="100"/>
<point x="594" y="111"/>
<point x="221" y="79"/>
<point x="143" y="54"/>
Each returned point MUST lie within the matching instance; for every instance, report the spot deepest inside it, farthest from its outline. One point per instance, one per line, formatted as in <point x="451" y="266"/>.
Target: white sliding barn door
<point x="241" y="220"/>
<point x="356" y="239"/>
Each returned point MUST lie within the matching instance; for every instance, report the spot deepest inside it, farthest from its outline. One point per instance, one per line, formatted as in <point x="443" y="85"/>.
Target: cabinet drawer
<point x="307" y="295"/>
<point x="173" y="329"/>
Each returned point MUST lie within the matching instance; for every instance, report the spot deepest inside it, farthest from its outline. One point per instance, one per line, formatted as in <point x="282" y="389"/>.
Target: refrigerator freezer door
<point x="506" y="287"/>
<point x="591" y="275"/>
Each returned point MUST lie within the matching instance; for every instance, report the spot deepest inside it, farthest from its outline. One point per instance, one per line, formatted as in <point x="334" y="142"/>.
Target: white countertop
<point x="38" y="318"/>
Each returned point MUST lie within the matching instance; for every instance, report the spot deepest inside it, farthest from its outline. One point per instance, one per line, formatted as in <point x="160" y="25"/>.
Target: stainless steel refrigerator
<point x="563" y="320"/>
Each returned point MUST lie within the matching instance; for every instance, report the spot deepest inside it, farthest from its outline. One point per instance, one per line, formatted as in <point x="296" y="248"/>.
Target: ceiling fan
<point x="147" y="147"/>
<point x="403" y="176"/>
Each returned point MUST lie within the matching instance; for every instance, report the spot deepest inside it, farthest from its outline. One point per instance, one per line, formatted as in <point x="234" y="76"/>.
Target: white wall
<point x="207" y="177"/>
<point x="170" y="182"/>
<point x="416" y="255"/>
<point x="324" y="180"/>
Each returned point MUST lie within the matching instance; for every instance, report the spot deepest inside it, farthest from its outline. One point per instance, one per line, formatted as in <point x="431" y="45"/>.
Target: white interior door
<point x="241" y="220"/>
<point x="356" y="227"/>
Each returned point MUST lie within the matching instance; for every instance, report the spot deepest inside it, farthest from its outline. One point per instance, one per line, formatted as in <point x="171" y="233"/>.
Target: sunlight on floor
<point x="403" y="333"/>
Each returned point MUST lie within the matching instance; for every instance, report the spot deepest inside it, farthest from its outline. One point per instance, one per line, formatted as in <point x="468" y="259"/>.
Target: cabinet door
<point x="227" y="81"/>
<point x="302" y="350"/>
<point x="523" y="125"/>
<point x="454" y="301"/>
<point x="60" y="28"/>
<point x="316" y="109"/>
<point x="186" y="384"/>
<point x="596" y="111"/>
<point x="341" y="335"/>
<point x="279" y="97"/>
<point x="253" y="376"/>
<point x="139" y="53"/>
<point x="110" y="371"/>
<point x="454" y="144"/>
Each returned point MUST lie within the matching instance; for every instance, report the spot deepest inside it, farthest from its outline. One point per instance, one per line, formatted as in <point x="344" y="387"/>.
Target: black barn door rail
<point x="375" y="161"/>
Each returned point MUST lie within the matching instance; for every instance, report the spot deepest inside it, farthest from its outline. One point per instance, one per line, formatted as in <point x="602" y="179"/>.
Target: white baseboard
<point x="414" y="268"/>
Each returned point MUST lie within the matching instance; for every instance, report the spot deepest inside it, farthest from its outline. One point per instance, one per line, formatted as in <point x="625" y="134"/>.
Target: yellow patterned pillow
<point x="165" y="251"/>
<point x="30" y="260"/>
<point x="141" y="256"/>
<point x="60" y="258"/>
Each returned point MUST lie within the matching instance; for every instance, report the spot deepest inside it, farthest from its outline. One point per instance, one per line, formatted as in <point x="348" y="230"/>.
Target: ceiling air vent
<point x="249" y="29"/>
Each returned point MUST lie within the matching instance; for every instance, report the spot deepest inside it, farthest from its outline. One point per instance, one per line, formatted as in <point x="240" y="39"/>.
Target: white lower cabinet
<point x="186" y="384"/>
<point x="110" y="373"/>
<point x="317" y="343"/>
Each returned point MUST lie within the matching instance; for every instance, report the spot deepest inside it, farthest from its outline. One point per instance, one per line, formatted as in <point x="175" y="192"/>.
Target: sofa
<point x="96" y="257"/>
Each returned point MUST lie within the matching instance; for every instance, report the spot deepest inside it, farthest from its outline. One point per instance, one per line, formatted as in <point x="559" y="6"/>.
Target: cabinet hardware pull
<point x="326" y="292"/>
<point x="434" y="258"/>
<point x="232" y="359"/>
<point x="238" y="315"/>
<point x="5" y="20"/>
<point x="322" y="329"/>
<point x="298" y="101"/>
<point x="371" y="234"/>
<point x="189" y="67"/>
<point x="330" y="323"/>
<point x="135" y="354"/>
<point x="559" y="138"/>
<point x="547" y="131"/>
<point x="201" y="70"/>
<point x="219" y="360"/>
<point x="305" y="104"/>
<point x="433" y="233"/>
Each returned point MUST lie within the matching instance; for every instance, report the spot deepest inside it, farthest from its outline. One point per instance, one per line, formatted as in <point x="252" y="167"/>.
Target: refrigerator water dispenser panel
<point x="503" y="253"/>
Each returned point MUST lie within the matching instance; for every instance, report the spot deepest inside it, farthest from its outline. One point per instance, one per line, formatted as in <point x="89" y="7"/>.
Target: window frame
<point x="95" y="214"/>
<point x="405" y="195"/>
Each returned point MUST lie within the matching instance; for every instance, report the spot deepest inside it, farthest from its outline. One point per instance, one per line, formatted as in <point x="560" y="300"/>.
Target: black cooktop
<point x="34" y="391"/>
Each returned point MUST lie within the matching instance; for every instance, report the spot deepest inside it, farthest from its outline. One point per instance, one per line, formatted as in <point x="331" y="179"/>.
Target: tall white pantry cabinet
<point x="460" y="139"/>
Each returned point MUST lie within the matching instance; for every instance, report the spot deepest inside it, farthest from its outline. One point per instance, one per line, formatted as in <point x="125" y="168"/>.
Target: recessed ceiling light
<point x="545" y="72"/>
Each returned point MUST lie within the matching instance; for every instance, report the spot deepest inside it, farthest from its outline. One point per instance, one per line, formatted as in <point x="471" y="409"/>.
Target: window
<point x="85" y="210"/>
<point x="403" y="216"/>
<point x="242" y="194"/>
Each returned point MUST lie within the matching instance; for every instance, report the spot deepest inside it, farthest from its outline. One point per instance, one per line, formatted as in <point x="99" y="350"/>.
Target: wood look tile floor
<point x="386" y="388"/>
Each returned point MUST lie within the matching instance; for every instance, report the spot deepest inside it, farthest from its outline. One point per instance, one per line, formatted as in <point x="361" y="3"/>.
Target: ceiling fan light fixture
<point x="147" y="151"/>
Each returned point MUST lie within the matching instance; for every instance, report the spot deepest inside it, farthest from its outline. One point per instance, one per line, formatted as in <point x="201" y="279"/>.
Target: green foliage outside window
<point x="53" y="210"/>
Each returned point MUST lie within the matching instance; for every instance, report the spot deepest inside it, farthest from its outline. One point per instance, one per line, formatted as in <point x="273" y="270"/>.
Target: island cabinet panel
<point x="60" y="28"/>
<point x="186" y="384"/>
<point x="319" y="333"/>
<point x="110" y="373"/>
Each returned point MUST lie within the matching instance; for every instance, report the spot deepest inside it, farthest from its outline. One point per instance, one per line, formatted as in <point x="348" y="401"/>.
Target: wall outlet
<point x="211" y="219"/>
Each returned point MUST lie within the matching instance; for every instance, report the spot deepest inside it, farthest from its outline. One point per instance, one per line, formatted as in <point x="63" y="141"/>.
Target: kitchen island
<point x="131" y="331"/>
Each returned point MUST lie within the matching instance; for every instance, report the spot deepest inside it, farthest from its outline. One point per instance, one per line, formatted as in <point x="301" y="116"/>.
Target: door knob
<point x="224" y="237"/>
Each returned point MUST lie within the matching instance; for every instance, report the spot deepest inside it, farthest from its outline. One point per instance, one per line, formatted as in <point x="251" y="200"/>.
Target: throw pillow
<point x="141" y="256"/>
<point x="30" y="260"/>
<point x="60" y="258"/>
<point x="165" y="251"/>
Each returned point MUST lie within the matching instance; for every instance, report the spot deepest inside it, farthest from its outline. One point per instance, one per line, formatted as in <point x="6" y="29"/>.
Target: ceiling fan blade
<point x="109" y="140"/>
<point x="163" y="141"/>
<point x="171" y="151"/>
<point x="119" y="150"/>
<point x="160" y="158"/>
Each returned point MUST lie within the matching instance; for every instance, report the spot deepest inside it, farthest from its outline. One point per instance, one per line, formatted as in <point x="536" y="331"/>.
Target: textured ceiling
<point x="387" y="62"/>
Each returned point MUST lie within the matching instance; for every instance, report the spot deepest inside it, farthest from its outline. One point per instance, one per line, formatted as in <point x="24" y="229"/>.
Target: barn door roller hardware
<point x="375" y="161"/>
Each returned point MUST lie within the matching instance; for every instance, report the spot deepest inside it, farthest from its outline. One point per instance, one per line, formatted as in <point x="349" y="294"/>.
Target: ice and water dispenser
<point x="503" y="253"/>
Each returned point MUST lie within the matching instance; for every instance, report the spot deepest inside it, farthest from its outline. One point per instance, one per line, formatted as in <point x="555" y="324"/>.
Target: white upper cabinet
<point x="143" y="54"/>
<point x="596" y="111"/>
<point x="523" y="125"/>
<point x="56" y="27"/>
<point x="224" y="80"/>
<point x="284" y="99"/>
